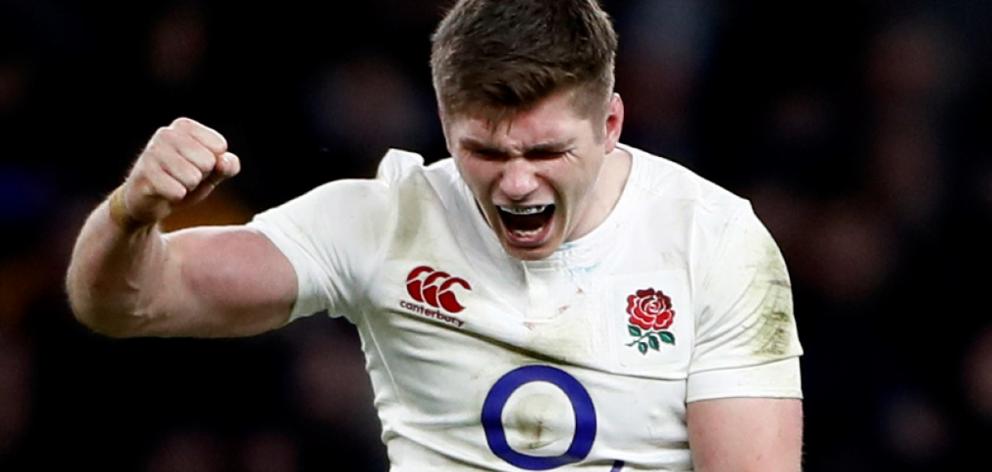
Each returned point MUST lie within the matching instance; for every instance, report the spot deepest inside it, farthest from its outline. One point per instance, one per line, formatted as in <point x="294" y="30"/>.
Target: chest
<point x="545" y="355"/>
<point x="628" y="323"/>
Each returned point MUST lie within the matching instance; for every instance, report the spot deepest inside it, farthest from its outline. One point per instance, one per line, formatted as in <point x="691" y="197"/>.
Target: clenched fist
<point x="181" y="165"/>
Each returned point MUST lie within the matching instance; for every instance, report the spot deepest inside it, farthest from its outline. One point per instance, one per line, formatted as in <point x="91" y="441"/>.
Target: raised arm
<point x="126" y="278"/>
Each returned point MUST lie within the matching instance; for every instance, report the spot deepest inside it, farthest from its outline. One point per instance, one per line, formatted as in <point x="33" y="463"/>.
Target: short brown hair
<point x="497" y="57"/>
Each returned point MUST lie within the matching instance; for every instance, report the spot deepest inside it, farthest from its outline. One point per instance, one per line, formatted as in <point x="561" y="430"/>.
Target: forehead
<point x="551" y="119"/>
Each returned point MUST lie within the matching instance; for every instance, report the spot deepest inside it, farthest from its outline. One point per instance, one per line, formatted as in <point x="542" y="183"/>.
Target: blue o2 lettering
<point x="585" y="417"/>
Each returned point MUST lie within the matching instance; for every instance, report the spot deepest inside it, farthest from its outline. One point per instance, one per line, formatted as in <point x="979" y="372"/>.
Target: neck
<point x="609" y="187"/>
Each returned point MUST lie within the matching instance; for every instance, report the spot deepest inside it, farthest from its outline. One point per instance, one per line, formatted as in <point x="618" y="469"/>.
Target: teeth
<point x="526" y="234"/>
<point x="528" y="210"/>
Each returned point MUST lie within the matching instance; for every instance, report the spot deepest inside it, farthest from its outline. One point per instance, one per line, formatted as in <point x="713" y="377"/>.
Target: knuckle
<point x="182" y="123"/>
<point x="204" y="164"/>
<point x="167" y="134"/>
<point x="154" y="154"/>
<point x="158" y="136"/>
<point x="153" y="148"/>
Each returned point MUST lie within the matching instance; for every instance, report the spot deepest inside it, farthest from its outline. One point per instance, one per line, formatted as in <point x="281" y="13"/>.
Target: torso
<point x="580" y="391"/>
<point x="482" y="361"/>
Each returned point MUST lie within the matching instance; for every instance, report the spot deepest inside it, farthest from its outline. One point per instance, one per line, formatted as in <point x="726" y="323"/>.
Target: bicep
<point x="223" y="281"/>
<point x="746" y="434"/>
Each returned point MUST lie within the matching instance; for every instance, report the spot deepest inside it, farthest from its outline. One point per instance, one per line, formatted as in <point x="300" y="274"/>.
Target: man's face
<point x="536" y="175"/>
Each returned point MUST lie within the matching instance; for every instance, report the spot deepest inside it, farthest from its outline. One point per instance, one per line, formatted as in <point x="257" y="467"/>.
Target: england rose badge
<point x="651" y="314"/>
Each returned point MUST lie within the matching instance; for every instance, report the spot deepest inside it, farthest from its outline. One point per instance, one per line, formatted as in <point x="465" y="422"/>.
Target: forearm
<point x="126" y="278"/>
<point x="113" y="274"/>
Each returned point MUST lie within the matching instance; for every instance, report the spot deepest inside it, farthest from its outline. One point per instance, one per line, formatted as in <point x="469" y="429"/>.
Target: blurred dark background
<point x="859" y="130"/>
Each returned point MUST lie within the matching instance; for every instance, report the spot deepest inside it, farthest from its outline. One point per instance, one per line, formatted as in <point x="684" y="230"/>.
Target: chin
<point x="535" y="253"/>
<point x="528" y="254"/>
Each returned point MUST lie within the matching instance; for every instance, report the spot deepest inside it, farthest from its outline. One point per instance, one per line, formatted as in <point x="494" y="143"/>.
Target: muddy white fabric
<point x="483" y="361"/>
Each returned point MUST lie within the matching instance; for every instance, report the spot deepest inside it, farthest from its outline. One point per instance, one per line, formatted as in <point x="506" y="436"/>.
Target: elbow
<point x="109" y="325"/>
<point x="101" y="318"/>
<point x="80" y="301"/>
<point x="103" y="328"/>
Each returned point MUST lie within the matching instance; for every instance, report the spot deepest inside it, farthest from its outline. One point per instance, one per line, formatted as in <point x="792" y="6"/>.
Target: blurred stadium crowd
<point x="860" y="130"/>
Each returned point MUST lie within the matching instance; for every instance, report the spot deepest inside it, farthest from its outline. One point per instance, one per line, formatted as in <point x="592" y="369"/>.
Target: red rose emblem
<point x="650" y="309"/>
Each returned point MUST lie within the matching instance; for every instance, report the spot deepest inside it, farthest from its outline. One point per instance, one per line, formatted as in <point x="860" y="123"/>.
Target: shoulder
<point x="683" y="216"/>
<point x="415" y="185"/>
<point x="397" y="170"/>
<point x="347" y="205"/>
<point x="398" y="165"/>
<point x="401" y="169"/>
<point x="664" y="187"/>
<point x="663" y="179"/>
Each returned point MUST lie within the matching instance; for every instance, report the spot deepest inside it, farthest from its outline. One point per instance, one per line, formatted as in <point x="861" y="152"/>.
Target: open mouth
<point x="526" y="225"/>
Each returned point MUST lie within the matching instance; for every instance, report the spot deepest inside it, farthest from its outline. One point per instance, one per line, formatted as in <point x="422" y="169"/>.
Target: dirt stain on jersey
<point x="775" y="324"/>
<point x="411" y="218"/>
<point x="567" y="341"/>
<point x="535" y="433"/>
<point x="537" y="421"/>
<point x="773" y="337"/>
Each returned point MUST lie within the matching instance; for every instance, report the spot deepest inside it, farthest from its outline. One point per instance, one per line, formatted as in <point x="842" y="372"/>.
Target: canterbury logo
<point x="434" y="288"/>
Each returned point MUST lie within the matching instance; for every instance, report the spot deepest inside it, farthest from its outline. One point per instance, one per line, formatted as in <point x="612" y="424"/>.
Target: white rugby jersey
<point x="584" y="360"/>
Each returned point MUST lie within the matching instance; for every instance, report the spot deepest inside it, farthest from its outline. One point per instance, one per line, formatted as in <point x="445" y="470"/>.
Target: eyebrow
<point x="545" y="147"/>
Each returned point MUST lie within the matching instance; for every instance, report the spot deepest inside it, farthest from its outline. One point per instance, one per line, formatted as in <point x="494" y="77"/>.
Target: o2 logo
<point x="585" y="417"/>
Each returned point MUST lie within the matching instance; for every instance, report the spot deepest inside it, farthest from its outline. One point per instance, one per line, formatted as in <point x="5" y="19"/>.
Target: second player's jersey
<point x="584" y="360"/>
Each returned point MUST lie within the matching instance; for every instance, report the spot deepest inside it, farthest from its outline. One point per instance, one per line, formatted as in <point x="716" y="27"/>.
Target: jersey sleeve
<point x="746" y="341"/>
<point x="334" y="236"/>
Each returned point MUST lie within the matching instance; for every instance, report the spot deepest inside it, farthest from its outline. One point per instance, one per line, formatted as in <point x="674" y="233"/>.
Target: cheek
<point x="576" y="180"/>
<point x="477" y="174"/>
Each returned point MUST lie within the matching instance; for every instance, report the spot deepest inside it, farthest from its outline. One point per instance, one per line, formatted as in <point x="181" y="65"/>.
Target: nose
<point x="518" y="179"/>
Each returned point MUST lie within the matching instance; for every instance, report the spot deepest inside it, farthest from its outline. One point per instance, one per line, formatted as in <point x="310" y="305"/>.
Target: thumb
<point x="228" y="165"/>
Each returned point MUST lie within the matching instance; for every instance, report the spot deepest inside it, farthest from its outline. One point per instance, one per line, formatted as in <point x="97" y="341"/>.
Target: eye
<point x="546" y="154"/>
<point x="487" y="154"/>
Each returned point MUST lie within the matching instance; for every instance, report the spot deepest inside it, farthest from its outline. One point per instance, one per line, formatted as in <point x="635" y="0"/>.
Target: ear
<point x="614" y="123"/>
